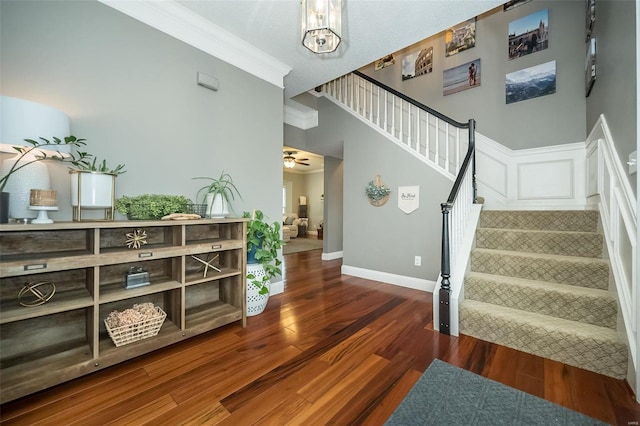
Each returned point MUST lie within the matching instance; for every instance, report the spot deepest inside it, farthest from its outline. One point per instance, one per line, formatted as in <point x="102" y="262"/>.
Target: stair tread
<point x="568" y="288"/>
<point x="539" y="231"/>
<point x="542" y="255"/>
<point x="585" y="220"/>
<point x="545" y="321"/>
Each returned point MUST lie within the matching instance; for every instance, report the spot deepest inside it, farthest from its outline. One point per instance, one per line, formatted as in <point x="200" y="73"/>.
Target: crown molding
<point x="301" y="119"/>
<point x="181" y="23"/>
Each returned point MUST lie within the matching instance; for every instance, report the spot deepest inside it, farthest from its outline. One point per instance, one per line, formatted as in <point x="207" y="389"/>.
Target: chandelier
<point x="321" y="25"/>
<point x="289" y="162"/>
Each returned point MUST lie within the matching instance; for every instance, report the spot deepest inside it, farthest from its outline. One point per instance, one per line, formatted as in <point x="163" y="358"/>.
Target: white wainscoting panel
<point x="550" y="177"/>
<point x="545" y="179"/>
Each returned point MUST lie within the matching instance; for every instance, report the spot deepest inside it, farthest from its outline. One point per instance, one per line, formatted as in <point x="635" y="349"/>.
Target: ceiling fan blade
<point x="302" y="159"/>
<point x="303" y="164"/>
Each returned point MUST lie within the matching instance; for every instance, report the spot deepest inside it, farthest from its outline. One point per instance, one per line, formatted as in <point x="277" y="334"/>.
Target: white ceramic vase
<point x="217" y="206"/>
<point x="256" y="302"/>
<point x="96" y="189"/>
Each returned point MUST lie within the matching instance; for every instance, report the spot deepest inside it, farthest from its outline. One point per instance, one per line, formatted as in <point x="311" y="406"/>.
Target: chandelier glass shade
<point x="321" y="25"/>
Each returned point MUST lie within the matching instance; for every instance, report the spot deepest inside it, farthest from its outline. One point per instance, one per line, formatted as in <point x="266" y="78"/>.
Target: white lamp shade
<point x="22" y="119"/>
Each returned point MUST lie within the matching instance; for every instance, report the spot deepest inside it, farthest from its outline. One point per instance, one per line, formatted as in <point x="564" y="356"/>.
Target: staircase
<point x="538" y="284"/>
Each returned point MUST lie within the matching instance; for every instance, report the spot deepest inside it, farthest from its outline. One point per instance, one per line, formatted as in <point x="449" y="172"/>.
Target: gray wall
<point x="311" y="185"/>
<point x="382" y="238"/>
<point x="334" y="209"/>
<point x="131" y="91"/>
<point x="518" y="125"/>
<point x="614" y="92"/>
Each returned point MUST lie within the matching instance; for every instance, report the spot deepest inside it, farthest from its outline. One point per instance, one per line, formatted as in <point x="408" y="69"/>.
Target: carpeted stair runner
<point x="538" y="283"/>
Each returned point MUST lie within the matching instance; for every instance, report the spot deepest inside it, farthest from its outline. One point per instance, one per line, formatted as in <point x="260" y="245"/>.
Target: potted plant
<point x="263" y="243"/>
<point x="218" y="195"/>
<point x="93" y="185"/>
<point x="35" y="152"/>
<point x="151" y="206"/>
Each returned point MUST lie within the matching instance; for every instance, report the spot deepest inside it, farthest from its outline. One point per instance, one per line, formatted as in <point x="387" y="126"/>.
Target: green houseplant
<point x="31" y="154"/>
<point x="151" y="206"/>
<point x="218" y="194"/>
<point x="263" y="243"/>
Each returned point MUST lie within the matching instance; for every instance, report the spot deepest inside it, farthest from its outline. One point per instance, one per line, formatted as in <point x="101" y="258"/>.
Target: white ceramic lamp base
<point x="43" y="217"/>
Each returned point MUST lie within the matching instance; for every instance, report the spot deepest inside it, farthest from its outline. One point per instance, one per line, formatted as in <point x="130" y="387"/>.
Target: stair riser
<point x="584" y="273"/>
<point x="603" y="357"/>
<point x="600" y="311"/>
<point x="579" y="220"/>
<point x="563" y="244"/>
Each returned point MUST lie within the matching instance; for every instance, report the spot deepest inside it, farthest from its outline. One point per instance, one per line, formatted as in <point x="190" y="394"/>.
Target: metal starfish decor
<point x="136" y="239"/>
<point x="207" y="264"/>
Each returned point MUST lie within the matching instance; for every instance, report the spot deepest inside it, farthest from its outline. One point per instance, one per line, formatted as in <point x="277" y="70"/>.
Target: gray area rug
<point x="296" y="245"/>
<point x="448" y="395"/>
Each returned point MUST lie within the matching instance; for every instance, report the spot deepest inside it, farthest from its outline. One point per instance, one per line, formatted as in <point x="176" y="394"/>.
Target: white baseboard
<point x="331" y="256"/>
<point x="276" y="288"/>
<point x="385" y="277"/>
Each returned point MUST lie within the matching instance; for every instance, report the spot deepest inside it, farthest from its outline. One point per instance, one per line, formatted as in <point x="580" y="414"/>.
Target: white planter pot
<point x="217" y="207"/>
<point x="96" y="189"/>
<point x="256" y="302"/>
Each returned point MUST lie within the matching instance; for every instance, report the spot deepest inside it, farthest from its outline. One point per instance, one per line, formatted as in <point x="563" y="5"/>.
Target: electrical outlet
<point x="417" y="261"/>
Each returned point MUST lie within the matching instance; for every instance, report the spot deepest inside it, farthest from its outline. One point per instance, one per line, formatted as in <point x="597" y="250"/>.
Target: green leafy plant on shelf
<point x="34" y="153"/>
<point x="151" y="206"/>
<point x="263" y="243"/>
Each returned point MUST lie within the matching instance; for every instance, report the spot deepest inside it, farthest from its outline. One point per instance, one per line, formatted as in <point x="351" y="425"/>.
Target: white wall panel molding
<point x="609" y="187"/>
<point x="550" y="177"/>
<point x="177" y="21"/>
<point x="545" y="179"/>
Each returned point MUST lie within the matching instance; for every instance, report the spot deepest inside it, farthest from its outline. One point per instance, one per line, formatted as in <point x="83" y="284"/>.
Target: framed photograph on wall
<point x="416" y="64"/>
<point x="460" y="38"/>
<point x="529" y="34"/>
<point x="590" y="66"/>
<point x="462" y="77"/>
<point x="384" y="62"/>
<point x="591" y="17"/>
<point x="532" y="82"/>
<point x="514" y="3"/>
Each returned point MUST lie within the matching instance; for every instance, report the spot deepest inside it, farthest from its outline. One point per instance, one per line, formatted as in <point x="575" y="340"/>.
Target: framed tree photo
<point x="591" y="17"/>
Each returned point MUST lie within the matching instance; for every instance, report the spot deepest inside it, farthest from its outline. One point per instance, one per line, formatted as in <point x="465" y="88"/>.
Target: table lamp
<point x="22" y="119"/>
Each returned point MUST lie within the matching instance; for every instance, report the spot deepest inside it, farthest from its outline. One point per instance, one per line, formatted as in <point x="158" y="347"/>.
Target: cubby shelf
<point x="65" y="337"/>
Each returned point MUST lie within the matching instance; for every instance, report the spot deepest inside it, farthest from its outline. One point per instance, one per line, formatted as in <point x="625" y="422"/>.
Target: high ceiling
<point x="371" y="29"/>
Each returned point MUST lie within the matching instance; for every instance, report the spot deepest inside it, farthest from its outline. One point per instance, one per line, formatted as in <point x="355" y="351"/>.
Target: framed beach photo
<point x="462" y="77"/>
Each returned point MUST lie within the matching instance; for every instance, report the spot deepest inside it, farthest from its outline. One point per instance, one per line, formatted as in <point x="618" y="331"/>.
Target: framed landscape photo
<point x="460" y="38"/>
<point x="590" y="66"/>
<point x="532" y="82"/>
<point x="514" y="3"/>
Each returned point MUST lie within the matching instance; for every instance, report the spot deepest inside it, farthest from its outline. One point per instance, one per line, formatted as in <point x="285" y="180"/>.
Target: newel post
<point x="445" y="285"/>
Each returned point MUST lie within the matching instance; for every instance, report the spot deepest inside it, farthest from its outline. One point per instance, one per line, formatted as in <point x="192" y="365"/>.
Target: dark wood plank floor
<point x="331" y="349"/>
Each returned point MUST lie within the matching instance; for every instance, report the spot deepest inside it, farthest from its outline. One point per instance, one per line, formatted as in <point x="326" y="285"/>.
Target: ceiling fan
<point x="290" y="161"/>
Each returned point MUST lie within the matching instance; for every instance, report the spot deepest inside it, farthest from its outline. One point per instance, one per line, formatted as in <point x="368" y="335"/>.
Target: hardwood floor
<point x="331" y="349"/>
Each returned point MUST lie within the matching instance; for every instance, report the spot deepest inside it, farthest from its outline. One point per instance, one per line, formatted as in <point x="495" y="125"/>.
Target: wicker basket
<point x="138" y="331"/>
